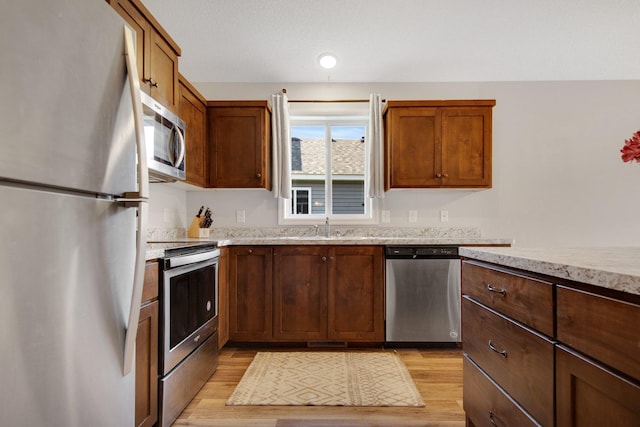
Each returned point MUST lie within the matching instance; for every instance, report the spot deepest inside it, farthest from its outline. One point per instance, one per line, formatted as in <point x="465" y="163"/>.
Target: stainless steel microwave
<point x="164" y="133"/>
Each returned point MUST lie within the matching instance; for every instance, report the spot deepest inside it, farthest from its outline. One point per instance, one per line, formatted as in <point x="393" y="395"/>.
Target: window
<point x="329" y="169"/>
<point x="300" y="198"/>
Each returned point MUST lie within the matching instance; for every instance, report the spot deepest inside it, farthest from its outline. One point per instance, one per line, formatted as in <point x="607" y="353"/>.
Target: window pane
<point x="300" y="201"/>
<point x="308" y="163"/>
<point x="347" y="169"/>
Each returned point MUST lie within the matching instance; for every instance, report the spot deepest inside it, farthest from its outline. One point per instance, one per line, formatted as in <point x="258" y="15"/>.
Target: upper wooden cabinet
<point x="157" y="53"/>
<point x="239" y="149"/>
<point x="192" y="108"/>
<point x="443" y="144"/>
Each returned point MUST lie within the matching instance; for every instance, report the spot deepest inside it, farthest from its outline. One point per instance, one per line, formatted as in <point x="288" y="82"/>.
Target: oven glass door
<point x="190" y="303"/>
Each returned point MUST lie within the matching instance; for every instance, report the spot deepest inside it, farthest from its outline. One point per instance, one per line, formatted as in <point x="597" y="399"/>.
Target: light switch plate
<point x="444" y="216"/>
<point x="413" y="216"/>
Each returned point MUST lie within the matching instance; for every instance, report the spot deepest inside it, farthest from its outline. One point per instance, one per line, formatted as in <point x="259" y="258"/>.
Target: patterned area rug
<point x="326" y="379"/>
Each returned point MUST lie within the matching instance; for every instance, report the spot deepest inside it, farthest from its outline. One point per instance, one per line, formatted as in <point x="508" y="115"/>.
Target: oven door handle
<point x="179" y="261"/>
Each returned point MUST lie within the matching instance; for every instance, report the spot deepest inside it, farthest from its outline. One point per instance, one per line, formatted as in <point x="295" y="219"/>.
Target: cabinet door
<point x="193" y="111"/>
<point x="147" y="366"/>
<point x="356" y="293"/>
<point x="143" y="29"/>
<point x="588" y="394"/>
<point x="413" y="146"/>
<point x="300" y="293"/>
<point x="163" y="72"/>
<point x="239" y="146"/>
<point x="157" y="58"/>
<point x="466" y="147"/>
<point x="250" y="292"/>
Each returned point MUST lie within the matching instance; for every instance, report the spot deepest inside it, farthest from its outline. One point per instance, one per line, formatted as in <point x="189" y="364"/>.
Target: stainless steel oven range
<point x="189" y="333"/>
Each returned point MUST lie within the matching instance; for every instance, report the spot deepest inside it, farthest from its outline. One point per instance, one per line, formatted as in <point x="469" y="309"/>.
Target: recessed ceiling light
<point x="327" y="60"/>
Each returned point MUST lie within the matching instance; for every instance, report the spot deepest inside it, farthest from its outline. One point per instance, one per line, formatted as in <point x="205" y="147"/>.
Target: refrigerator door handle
<point x="138" y="200"/>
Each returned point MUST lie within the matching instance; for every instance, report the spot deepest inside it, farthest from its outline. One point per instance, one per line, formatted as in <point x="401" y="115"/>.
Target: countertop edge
<point x="584" y="265"/>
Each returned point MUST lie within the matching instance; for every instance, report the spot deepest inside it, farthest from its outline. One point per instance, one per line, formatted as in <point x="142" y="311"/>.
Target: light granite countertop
<point x="340" y="235"/>
<point x="155" y="249"/>
<point x="607" y="267"/>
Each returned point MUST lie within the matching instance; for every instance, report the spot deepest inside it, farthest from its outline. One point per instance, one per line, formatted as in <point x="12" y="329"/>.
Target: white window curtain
<point x="375" y="135"/>
<point x="281" y="146"/>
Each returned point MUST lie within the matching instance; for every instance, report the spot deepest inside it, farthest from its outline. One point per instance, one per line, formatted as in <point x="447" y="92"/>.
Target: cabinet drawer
<point x="525" y="299"/>
<point x="486" y="404"/>
<point x="587" y="394"/>
<point x="518" y="359"/>
<point x="150" y="287"/>
<point x="600" y="327"/>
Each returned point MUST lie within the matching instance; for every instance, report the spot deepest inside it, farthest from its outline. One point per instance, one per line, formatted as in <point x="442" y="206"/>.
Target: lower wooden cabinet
<point x="328" y="293"/>
<point x="517" y="358"/>
<point x="250" y="291"/>
<point x="146" y="405"/>
<point x="223" y="297"/>
<point x="586" y="375"/>
<point x="300" y="293"/>
<point x="590" y="395"/>
<point x="316" y="293"/>
<point x="356" y="293"/>
<point x="486" y="403"/>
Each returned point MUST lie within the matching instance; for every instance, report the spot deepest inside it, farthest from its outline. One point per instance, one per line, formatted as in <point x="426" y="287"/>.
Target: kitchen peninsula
<point x="551" y="328"/>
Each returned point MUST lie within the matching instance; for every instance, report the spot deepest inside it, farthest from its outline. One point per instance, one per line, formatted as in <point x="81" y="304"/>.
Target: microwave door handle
<point x="181" y="146"/>
<point x="137" y="200"/>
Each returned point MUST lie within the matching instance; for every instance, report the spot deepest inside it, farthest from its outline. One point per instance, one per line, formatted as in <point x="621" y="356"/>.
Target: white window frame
<point x="371" y="211"/>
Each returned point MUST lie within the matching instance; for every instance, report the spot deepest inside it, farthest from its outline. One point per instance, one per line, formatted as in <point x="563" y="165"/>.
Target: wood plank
<point x="436" y="372"/>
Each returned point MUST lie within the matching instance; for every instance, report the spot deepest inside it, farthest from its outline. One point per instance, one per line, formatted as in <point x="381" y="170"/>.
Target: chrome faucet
<point x="327" y="227"/>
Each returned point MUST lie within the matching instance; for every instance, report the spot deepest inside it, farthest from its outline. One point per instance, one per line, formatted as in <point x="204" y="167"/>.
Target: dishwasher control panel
<point x="421" y="251"/>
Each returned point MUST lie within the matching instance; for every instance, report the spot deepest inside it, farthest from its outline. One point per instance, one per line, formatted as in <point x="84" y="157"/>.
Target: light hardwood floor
<point x="436" y="372"/>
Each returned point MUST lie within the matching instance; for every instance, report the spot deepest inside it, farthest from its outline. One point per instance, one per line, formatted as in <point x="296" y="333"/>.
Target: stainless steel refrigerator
<point x="71" y="247"/>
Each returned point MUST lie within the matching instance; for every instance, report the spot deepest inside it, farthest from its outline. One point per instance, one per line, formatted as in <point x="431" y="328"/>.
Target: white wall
<point x="557" y="175"/>
<point x="167" y="206"/>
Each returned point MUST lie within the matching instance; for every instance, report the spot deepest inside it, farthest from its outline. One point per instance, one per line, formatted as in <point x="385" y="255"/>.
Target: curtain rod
<point x="327" y="100"/>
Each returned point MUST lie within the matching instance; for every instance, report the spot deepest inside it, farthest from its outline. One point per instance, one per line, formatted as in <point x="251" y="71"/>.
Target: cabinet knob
<point x="324" y="258"/>
<point x="446" y="175"/>
<point x="438" y="175"/>
<point x="250" y="251"/>
<point x="258" y="175"/>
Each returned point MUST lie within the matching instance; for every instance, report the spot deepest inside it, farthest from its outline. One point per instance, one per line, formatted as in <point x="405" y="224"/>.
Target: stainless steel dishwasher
<point x="422" y="294"/>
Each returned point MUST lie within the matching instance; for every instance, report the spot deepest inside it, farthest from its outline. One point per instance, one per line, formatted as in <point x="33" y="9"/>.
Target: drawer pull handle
<point x="502" y="292"/>
<point x="502" y="353"/>
<point x="491" y="420"/>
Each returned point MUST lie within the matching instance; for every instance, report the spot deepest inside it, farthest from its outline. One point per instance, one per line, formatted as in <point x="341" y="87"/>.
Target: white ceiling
<point x="404" y="40"/>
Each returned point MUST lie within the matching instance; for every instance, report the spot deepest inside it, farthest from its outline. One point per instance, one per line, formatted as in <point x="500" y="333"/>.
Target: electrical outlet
<point x="240" y="216"/>
<point x="386" y="217"/>
<point x="413" y="216"/>
<point x="444" y="216"/>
